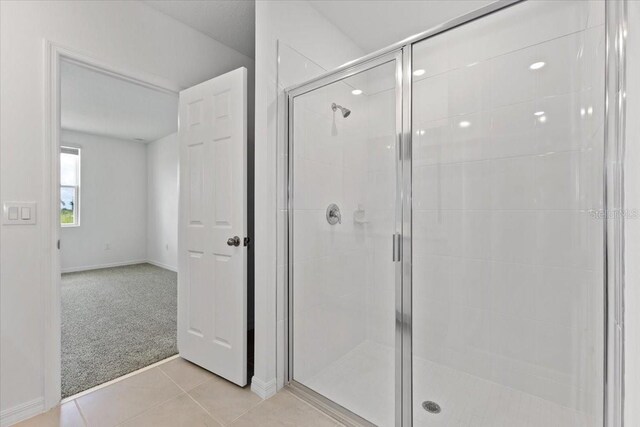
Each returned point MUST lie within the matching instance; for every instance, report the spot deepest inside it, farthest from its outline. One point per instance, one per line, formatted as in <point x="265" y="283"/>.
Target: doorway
<point x="226" y="134"/>
<point x="118" y="226"/>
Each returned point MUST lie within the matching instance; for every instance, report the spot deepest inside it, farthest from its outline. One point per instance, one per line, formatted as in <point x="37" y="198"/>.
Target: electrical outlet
<point x="107" y="246"/>
<point x="166" y="246"/>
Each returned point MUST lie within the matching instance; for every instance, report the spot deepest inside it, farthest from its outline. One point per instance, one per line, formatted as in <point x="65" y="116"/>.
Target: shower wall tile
<point x="311" y="235"/>
<point x="316" y="142"/>
<point x="431" y="100"/>
<point x="430" y="141"/>
<point x="380" y="113"/>
<point x="317" y="184"/>
<point x="564" y="65"/>
<point x="534" y="24"/>
<point x="380" y="152"/>
<point x="564" y="239"/>
<point x="513" y="289"/>
<point x="512" y="180"/>
<point x="437" y="59"/>
<point x="512" y="82"/>
<point x="560" y="181"/>
<point x="468" y="138"/>
<point x="429" y="287"/>
<point x="468" y="89"/>
<point x="514" y="236"/>
<point x="477" y="189"/>
<point x="513" y="131"/>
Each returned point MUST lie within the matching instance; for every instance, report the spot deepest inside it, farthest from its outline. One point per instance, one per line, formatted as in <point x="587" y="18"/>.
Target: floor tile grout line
<point x="314" y="408"/>
<point x="171" y="379"/>
<point x="248" y="410"/>
<point x="182" y="388"/>
<point x="192" y="398"/>
<point x="148" y="409"/>
<point x="216" y="419"/>
<point x="205" y="409"/>
<point x="84" y="419"/>
<point x="152" y="406"/>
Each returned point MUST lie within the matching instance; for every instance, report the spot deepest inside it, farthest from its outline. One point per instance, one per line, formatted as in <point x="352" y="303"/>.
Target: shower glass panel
<point x="507" y="312"/>
<point x="344" y="210"/>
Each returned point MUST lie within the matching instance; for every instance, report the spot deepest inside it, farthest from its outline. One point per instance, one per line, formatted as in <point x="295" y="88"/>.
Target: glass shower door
<point x="343" y="213"/>
<point x="507" y="257"/>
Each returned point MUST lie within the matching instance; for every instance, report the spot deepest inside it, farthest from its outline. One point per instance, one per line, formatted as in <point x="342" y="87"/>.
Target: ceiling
<point x="231" y="22"/>
<point x="373" y="25"/>
<point x="101" y="104"/>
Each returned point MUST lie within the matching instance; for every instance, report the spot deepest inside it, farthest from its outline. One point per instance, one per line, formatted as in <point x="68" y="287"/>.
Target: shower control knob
<point x="333" y="214"/>
<point x="233" y="241"/>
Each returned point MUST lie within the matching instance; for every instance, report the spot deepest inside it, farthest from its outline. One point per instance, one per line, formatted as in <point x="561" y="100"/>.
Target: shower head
<point x="345" y="111"/>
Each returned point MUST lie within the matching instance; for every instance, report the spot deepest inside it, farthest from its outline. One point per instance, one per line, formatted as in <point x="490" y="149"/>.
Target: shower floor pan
<point x="362" y="382"/>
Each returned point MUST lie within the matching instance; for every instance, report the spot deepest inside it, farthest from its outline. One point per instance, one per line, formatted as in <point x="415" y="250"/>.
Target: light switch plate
<point x="19" y="213"/>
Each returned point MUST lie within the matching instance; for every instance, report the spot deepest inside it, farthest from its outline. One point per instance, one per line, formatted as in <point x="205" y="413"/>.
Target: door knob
<point x="233" y="241"/>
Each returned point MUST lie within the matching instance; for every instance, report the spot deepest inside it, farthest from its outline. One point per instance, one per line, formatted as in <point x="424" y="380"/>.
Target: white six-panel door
<point x="212" y="278"/>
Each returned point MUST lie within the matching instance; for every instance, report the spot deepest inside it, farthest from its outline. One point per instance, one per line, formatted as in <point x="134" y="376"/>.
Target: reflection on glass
<point x="507" y="263"/>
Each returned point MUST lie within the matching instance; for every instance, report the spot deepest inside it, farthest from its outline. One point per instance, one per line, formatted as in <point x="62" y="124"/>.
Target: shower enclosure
<point x="446" y="260"/>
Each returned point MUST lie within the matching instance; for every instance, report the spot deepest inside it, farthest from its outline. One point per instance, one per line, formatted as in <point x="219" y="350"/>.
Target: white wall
<point x="128" y="200"/>
<point x="632" y="226"/>
<point x="126" y="35"/>
<point x="298" y="25"/>
<point x="113" y="204"/>
<point x="162" y="202"/>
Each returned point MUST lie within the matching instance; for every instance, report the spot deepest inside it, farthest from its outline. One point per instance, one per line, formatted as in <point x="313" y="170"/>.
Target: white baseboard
<point x="98" y="266"/>
<point x="21" y="412"/>
<point x="161" y="265"/>
<point x="263" y="389"/>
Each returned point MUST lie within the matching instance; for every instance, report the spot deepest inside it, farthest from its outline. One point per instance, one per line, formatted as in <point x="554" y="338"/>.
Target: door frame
<point x="613" y="202"/>
<point x="54" y="53"/>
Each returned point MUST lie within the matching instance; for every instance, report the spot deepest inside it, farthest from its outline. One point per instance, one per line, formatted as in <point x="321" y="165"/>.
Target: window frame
<point x="66" y="149"/>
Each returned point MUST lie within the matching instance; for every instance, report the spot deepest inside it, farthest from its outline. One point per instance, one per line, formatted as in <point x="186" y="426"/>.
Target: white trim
<point x="116" y="380"/>
<point x="99" y="266"/>
<point x="161" y="265"/>
<point x="21" y="412"/>
<point x="50" y="226"/>
<point x="263" y="389"/>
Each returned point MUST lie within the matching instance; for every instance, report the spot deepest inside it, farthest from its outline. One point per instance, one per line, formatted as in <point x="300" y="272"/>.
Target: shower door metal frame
<point x="402" y="226"/>
<point x="613" y="201"/>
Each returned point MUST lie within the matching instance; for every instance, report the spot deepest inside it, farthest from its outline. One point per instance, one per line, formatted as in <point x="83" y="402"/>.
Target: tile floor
<point x="179" y="394"/>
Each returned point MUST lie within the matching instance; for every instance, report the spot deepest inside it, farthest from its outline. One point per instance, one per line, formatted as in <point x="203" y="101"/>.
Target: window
<point x="69" y="186"/>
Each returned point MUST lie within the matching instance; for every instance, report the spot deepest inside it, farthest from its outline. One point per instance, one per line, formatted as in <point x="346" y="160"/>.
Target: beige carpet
<point x="115" y="321"/>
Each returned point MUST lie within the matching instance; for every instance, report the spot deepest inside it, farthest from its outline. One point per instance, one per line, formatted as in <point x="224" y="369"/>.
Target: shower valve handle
<point x="333" y="214"/>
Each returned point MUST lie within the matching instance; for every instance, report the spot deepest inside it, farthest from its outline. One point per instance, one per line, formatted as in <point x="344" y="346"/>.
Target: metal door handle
<point x="233" y="241"/>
